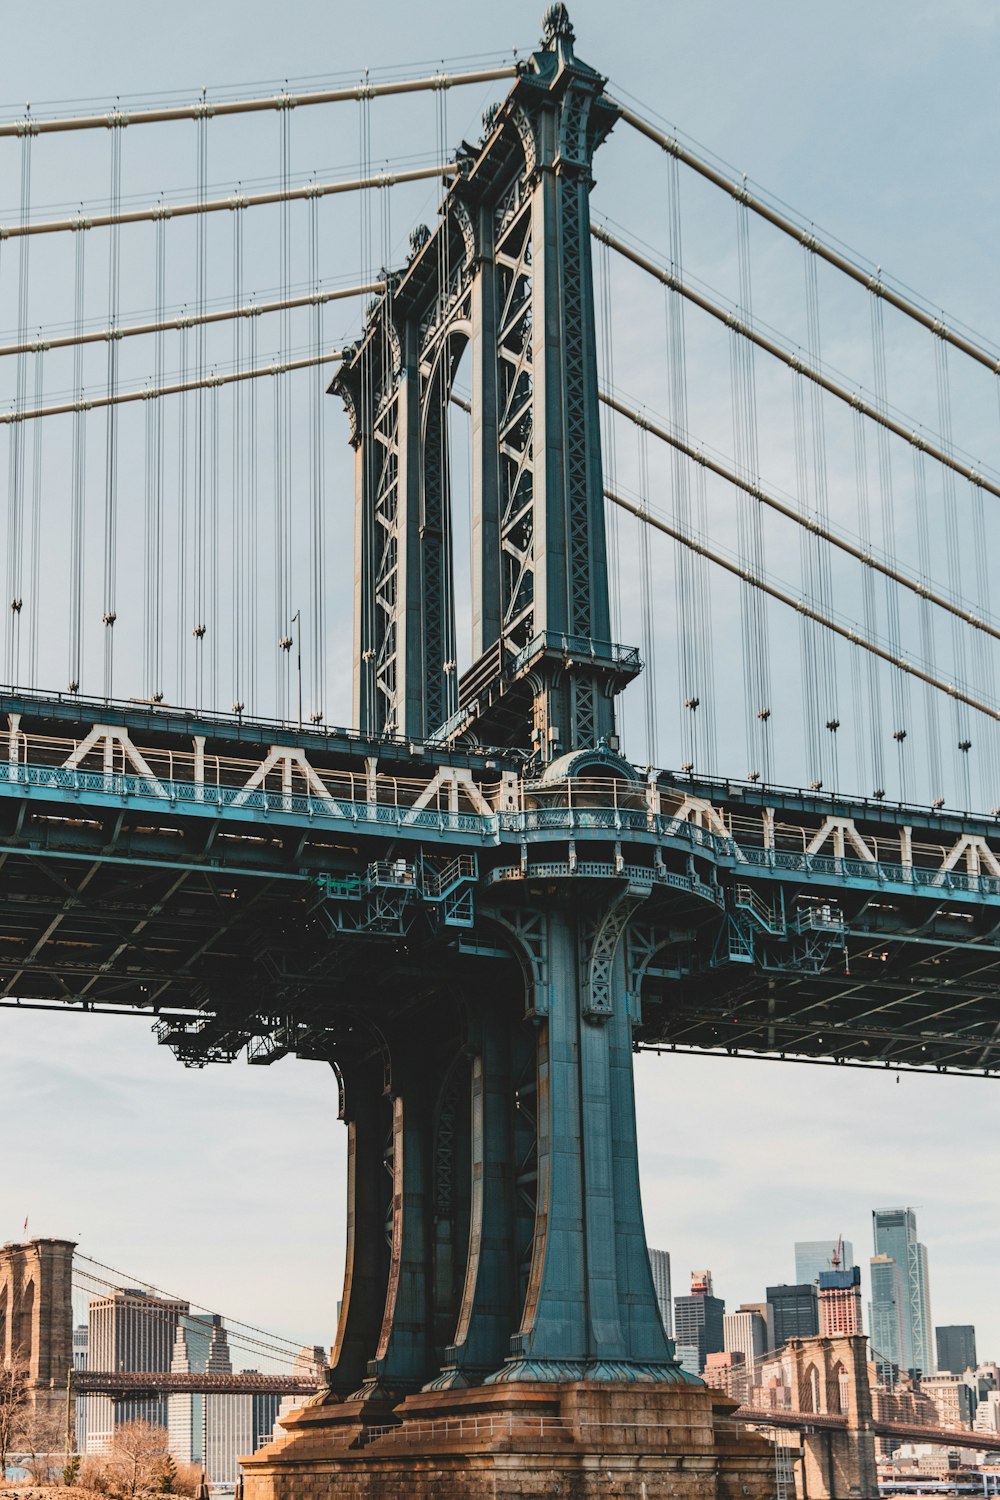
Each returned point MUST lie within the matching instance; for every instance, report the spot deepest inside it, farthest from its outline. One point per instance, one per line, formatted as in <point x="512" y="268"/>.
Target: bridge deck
<point x="218" y="873"/>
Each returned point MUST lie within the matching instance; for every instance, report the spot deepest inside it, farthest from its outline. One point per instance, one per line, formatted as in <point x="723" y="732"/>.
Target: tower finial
<point x="556" y="23"/>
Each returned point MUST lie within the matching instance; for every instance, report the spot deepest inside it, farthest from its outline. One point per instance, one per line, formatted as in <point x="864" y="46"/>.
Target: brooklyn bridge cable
<point x="37" y="509"/>
<point x="110" y="612"/>
<point x="15" y="531"/>
<point x="199" y="528"/>
<point x="78" y="481"/>
<point x="899" y="683"/>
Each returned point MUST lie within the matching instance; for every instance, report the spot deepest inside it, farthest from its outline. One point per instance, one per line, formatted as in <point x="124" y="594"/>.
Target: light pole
<point x="297" y="622"/>
<point x="285" y="644"/>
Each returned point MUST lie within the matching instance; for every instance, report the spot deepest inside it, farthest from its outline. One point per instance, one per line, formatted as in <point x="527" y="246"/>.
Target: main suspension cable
<point x="174" y="388"/>
<point x="941" y="455"/>
<point x="807" y="237"/>
<point x="825" y="533"/>
<point x="118" y="216"/>
<point x="951" y="690"/>
<point x="218" y="110"/>
<point x="43" y="342"/>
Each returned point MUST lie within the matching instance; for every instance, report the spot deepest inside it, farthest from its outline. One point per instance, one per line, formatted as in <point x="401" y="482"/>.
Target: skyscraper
<point x="81" y="1343"/>
<point x="956" y="1347"/>
<point x="129" y="1329"/>
<point x="895" y="1234"/>
<point x="698" y="1318"/>
<point x="659" y="1264"/>
<point x="814" y="1256"/>
<point x="745" y="1332"/>
<point x="200" y="1345"/>
<point x="887" y="1318"/>
<point x="796" y="1314"/>
<point x="840" y="1302"/>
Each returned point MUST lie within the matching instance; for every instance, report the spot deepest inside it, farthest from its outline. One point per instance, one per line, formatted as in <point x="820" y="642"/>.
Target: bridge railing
<point x="614" y="807"/>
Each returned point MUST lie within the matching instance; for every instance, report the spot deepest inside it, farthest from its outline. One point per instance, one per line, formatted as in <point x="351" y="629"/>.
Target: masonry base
<point x="529" y="1441"/>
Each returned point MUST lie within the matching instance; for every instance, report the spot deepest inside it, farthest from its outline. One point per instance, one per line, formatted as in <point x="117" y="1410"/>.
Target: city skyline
<point x="690" y="1201"/>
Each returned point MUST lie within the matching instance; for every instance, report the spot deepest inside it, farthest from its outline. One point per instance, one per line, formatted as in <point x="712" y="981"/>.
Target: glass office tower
<point x="895" y="1235"/>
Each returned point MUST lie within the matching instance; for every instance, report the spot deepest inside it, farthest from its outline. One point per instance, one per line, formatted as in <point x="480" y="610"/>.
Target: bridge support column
<point x="367" y="1115"/>
<point x="488" y="1307"/>
<point x="590" y="1310"/>
<point x="36" y="1315"/>
<point x="831" y="1376"/>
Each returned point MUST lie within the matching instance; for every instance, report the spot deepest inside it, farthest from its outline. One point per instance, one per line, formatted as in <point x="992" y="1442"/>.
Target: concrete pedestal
<point x="530" y="1440"/>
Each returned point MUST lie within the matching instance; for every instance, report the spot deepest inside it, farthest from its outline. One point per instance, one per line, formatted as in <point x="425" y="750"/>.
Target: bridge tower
<point x="831" y="1378"/>
<point x="497" y="1272"/>
<point x="506" y="279"/>
<point x="36" y="1314"/>
<point x="507" y="276"/>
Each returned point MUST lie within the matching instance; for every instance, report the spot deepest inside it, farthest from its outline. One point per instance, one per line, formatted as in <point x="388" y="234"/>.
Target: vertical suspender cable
<point x="366" y="417"/>
<point x="982" y="654"/>
<point x="900" y="683"/>
<point x="78" y="480"/>
<point x="827" y="646"/>
<point x="927" y="635"/>
<point x="875" y="756"/>
<point x="111" y="426"/>
<point x="317" y="519"/>
<point x="157" y="684"/>
<point x="646" y="602"/>
<point x="183" y="524"/>
<point x="809" y="671"/>
<point x="709" y="742"/>
<point x="280" y="620"/>
<point x="282" y="437"/>
<point x="610" y="465"/>
<point x="15" y="531"/>
<point x="35" y="577"/>
<point x="214" y="614"/>
<point x="200" y="426"/>
<point x="449" y="648"/>
<point x="254" y="535"/>
<point x="756" y="644"/>
<point x="148" y="527"/>
<point x="153" y="602"/>
<point x="695" y="646"/>
<point x="240" y="527"/>
<point x="960" y="717"/>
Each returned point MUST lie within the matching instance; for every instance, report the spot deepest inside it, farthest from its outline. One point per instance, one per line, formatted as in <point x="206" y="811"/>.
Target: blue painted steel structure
<point x="473" y="907"/>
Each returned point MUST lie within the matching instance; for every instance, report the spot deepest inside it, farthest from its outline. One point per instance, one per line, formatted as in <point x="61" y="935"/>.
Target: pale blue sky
<point x="878" y="122"/>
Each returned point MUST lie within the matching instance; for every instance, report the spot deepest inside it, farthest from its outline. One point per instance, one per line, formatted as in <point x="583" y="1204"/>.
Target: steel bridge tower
<point x="506" y="277"/>
<point x="558" y="1284"/>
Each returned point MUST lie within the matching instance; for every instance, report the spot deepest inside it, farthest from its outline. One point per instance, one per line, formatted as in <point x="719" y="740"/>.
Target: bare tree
<point x="39" y="1439"/>
<point x="136" y="1461"/>
<point x="15" y="1402"/>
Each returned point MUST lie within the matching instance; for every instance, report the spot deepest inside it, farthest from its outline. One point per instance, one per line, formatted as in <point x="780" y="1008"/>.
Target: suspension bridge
<point x="478" y="900"/>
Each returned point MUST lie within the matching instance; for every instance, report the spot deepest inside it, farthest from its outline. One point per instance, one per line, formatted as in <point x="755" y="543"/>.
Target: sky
<point x="878" y="124"/>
